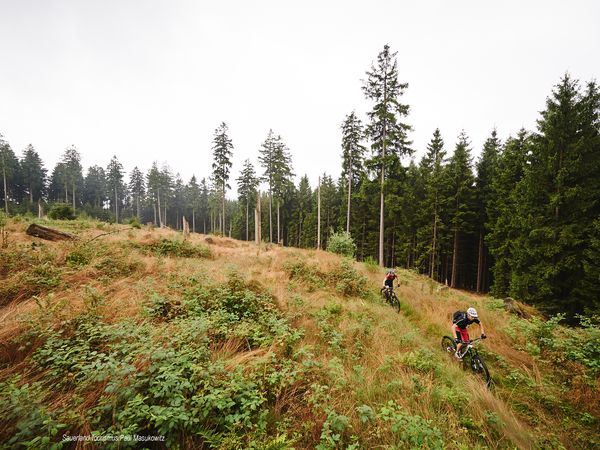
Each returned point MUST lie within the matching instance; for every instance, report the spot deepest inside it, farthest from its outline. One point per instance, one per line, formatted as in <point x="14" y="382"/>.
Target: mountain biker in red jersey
<point x="460" y="321"/>
<point x="388" y="281"/>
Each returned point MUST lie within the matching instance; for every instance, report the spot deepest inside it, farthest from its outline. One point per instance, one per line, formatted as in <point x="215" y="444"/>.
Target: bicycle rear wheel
<point x="448" y="345"/>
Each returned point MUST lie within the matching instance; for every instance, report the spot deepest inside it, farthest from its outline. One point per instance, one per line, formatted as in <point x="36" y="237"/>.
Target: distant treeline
<point x="522" y="221"/>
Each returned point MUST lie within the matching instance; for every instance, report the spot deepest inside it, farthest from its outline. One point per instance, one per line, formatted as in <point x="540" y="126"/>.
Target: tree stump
<point x="48" y="233"/>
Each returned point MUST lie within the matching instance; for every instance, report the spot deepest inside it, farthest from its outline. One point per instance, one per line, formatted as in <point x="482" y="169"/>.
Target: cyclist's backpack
<point x="458" y="316"/>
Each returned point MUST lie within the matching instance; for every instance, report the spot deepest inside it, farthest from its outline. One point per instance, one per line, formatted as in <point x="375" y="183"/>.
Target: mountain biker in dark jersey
<point x="460" y="321"/>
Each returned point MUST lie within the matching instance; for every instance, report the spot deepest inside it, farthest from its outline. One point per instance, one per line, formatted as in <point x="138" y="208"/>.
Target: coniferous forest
<point x="522" y="220"/>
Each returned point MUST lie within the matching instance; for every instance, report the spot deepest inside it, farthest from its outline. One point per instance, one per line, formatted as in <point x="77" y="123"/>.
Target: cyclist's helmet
<point x="391" y="272"/>
<point x="472" y="312"/>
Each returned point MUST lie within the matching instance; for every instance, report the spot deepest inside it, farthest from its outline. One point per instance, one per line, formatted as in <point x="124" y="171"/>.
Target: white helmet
<point x="472" y="312"/>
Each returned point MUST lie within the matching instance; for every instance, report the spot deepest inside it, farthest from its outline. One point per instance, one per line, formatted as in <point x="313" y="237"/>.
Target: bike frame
<point x="468" y="347"/>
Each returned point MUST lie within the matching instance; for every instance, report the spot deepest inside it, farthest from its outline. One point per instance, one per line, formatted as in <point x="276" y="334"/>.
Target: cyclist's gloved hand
<point x="483" y="336"/>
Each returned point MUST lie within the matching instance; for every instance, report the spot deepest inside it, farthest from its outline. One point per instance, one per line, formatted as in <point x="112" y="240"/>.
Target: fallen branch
<point x="49" y="234"/>
<point x="110" y="232"/>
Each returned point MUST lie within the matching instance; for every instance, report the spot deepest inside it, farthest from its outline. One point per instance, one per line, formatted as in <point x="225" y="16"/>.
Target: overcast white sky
<point x="151" y="80"/>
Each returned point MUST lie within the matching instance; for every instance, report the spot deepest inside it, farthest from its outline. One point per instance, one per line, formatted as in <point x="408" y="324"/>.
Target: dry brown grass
<point x="425" y="317"/>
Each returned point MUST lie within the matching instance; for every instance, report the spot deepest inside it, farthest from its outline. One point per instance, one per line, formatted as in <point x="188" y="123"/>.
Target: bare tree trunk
<point x="116" y="206"/>
<point x="433" y="245"/>
<point x="223" y="209"/>
<point x="154" y="208"/>
<point x="247" y="206"/>
<point x="257" y="221"/>
<point x="40" y="210"/>
<point x="319" y="214"/>
<point x="454" y="259"/>
<point x="204" y="225"/>
<point x="5" y="189"/>
<point x="186" y="229"/>
<point x="137" y="205"/>
<point x="73" y="194"/>
<point x="193" y="220"/>
<point x="393" y="256"/>
<point x="160" y="221"/>
<point x="349" y="196"/>
<point x="382" y="202"/>
<point x="270" y="216"/>
<point x="278" y="228"/>
<point x="299" y="227"/>
<point x="480" y="263"/>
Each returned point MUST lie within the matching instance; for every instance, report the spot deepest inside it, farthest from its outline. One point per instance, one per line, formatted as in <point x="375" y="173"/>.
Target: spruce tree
<point x="560" y="202"/>
<point x="388" y="134"/>
<point x="137" y="188"/>
<point x="222" y="153"/>
<point x="73" y="176"/>
<point x="247" y="184"/>
<point x="431" y="226"/>
<point x="501" y="225"/>
<point x="486" y="166"/>
<point x="33" y="174"/>
<point x="462" y="213"/>
<point x="9" y="168"/>
<point x="95" y="188"/>
<point x="114" y="182"/>
<point x="352" y="156"/>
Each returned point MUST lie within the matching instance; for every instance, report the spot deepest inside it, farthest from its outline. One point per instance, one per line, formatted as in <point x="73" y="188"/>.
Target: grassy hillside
<point x="214" y="343"/>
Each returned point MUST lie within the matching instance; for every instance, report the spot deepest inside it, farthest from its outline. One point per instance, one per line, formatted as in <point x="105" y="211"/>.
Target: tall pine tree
<point x="386" y="130"/>
<point x="222" y="153"/>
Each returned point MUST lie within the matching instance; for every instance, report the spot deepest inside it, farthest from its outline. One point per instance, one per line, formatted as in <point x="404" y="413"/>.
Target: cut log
<point x="48" y="233"/>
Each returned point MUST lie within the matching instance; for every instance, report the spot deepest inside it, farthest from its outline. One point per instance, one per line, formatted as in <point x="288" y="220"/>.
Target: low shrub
<point x="371" y="264"/>
<point x="169" y="247"/>
<point x="62" y="211"/>
<point x="342" y="244"/>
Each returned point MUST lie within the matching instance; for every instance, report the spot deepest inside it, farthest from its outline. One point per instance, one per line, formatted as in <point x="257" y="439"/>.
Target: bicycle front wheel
<point x="395" y="302"/>
<point x="479" y="367"/>
<point x="448" y="345"/>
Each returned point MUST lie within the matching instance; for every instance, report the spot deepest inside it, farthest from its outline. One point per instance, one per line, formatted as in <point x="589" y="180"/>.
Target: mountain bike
<point x="389" y="296"/>
<point x="470" y="357"/>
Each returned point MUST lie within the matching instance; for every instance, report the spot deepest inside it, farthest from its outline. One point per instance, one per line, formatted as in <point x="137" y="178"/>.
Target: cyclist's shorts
<point x="461" y="334"/>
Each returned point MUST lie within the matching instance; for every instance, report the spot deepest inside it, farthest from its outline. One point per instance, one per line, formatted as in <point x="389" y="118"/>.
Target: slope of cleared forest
<point x="216" y="343"/>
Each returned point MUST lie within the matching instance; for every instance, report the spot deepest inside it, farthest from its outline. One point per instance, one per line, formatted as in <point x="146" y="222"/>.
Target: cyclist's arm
<point x="481" y="328"/>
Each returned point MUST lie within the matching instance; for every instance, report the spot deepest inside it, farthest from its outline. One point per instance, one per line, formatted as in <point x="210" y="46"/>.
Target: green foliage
<point x="308" y="273"/>
<point x="422" y="360"/>
<point x="24" y="403"/>
<point x="344" y="277"/>
<point x="161" y="377"/>
<point x="348" y="281"/>
<point x="342" y="244"/>
<point x="548" y="339"/>
<point x="371" y="264"/>
<point x="169" y="247"/>
<point x="332" y="431"/>
<point x="135" y="222"/>
<point x="62" y="211"/>
<point x="412" y="431"/>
